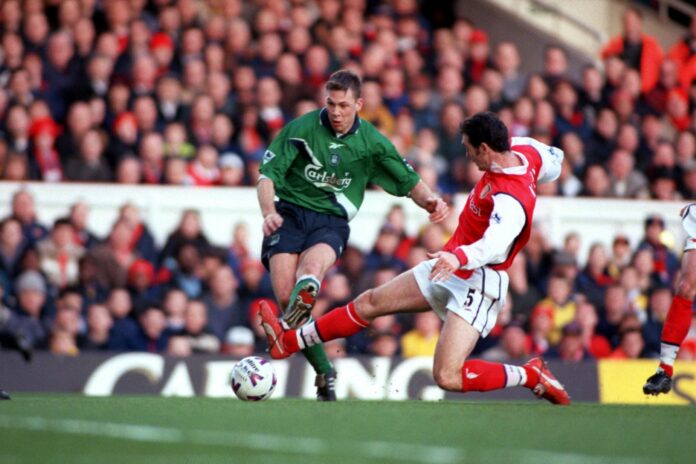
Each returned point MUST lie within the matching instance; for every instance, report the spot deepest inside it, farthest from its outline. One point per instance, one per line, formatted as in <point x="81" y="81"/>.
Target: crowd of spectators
<point x="190" y="92"/>
<point x="67" y="291"/>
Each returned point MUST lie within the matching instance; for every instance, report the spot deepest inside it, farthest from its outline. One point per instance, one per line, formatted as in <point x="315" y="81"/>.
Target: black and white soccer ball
<point x="253" y="379"/>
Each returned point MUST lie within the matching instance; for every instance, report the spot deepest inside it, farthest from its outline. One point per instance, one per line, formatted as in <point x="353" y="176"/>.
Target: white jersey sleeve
<point x="551" y="158"/>
<point x="505" y="224"/>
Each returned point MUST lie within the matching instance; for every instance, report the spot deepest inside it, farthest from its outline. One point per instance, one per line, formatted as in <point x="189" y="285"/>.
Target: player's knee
<point x="448" y="378"/>
<point x="365" y="305"/>
<point x="311" y="268"/>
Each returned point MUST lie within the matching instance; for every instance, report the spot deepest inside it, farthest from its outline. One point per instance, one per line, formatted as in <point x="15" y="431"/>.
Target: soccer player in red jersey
<point x="680" y="312"/>
<point x="465" y="283"/>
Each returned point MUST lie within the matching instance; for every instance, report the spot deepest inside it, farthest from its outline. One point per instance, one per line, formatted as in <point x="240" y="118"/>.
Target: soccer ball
<point x="253" y="379"/>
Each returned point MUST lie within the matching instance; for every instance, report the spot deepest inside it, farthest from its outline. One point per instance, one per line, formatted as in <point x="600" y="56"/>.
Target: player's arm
<point x="551" y="158"/>
<point x="274" y="166"/>
<point x="397" y="177"/>
<point x="429" y="201"/>
<point x="265" y="191"/>
<point x="505" y="224"/>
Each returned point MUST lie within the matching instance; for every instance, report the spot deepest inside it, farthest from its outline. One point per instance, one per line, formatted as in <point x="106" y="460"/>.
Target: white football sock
<point x="514" y="375"/>
<point x="668" y="353"/>
<point x="309" y="276"/>
<point x="307" y="335"/>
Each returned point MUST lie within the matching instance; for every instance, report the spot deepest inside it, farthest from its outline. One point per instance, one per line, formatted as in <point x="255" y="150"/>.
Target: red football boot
<point x="548" y="387"/>
<point x="274" y="331"/>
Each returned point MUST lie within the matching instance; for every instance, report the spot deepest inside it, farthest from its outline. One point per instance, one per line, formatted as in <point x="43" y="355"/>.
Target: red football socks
<point x="678" y="321"/>
<point x="340" y="322"/>
<point x="482" y="376"/>
<point x="674" y="332"/>
<point x="478" y="375"/>
<point x="667" y="369"/>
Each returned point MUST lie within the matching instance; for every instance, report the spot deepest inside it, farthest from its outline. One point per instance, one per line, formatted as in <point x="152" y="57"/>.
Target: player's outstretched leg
<point x="453" y="371"/>
<point x="673" y="334"/>
<point x="4" y="395"/>
<point x="482" y="376"/>
<point x="338" y="323"/>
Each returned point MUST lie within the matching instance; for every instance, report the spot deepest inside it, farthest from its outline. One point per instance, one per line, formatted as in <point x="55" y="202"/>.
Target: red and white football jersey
<point x="496" y="221"/>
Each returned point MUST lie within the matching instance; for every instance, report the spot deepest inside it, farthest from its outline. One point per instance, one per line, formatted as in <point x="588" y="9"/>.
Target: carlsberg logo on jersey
<point x="320" y="178"/>
<point x="315" y="172"/>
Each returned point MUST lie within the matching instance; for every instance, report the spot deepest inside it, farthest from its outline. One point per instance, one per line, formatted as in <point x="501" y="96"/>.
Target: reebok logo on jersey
<point x="334" y="146"/>
<point x="470" y="375"/>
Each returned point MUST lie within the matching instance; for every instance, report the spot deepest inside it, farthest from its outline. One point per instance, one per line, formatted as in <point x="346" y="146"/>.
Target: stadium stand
<point x="190" y="92"/>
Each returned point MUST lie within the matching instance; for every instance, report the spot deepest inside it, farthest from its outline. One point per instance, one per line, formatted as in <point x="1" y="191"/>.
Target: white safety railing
<point x="596" y="220"/>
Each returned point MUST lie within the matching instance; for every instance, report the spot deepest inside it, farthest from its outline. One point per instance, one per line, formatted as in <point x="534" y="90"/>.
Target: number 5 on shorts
<point x="469" y="298"/>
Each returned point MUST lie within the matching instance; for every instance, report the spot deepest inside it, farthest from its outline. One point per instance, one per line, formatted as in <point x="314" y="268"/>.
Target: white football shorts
<point x="689" y="224"/>
<point x="477" y="300"/>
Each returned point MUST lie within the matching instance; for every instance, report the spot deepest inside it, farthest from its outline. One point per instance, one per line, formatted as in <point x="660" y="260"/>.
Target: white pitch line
<point x="368" y="449"/>
<point x="253" y="441"/>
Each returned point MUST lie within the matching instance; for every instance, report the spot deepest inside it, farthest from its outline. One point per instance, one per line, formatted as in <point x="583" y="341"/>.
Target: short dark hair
<point x="345" y="80"/>
<point x="654" y="219"/>
<point x="486" y="128"/>
<point x="62" y="221"/>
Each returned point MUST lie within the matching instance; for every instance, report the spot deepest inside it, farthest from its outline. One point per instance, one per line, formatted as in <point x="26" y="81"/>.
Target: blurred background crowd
<point x="190" y="92"/>
<point x="67" y="291"/>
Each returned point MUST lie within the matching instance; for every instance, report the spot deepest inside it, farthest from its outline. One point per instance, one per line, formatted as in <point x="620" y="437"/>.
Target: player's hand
<point x="437" y="208"/>
<point x="271" y="223"/>
<point x="445" y="266"/>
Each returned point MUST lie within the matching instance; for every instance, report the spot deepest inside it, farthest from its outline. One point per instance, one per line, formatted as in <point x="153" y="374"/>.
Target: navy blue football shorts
<point x="303" y="228"/>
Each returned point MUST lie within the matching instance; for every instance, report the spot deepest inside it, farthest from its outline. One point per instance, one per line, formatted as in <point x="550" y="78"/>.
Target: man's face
<point x="480" y="156"/>
<point x="343" y="108"/>
<point x="633" y="26"/>
<point x="653" y="232"/>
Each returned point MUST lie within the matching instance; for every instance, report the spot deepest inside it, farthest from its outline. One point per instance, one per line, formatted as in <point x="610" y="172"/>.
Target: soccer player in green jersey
<point x="318" y="167"/>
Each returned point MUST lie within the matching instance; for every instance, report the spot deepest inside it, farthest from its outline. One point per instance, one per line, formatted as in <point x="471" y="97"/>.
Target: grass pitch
<point x="153" y="430"/>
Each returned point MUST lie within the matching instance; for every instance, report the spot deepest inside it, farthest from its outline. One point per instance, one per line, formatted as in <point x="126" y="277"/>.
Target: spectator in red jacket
<point x="683" y="53"/>
<point x="637" y="49"/>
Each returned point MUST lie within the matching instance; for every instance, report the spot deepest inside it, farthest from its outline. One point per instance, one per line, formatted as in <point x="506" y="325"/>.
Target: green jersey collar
<point x="324" y="121"/>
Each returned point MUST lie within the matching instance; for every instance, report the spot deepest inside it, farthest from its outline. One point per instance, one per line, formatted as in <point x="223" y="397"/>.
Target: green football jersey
<point x="314" y="168"/>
